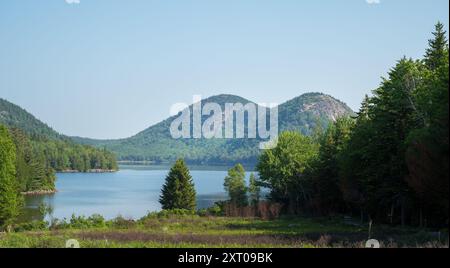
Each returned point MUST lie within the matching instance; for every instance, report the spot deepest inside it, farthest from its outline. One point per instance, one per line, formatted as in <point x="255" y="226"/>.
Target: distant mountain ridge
<point x="155" y="143"/>
<point x="52" y="150"/>
<point x="14" y="116"/>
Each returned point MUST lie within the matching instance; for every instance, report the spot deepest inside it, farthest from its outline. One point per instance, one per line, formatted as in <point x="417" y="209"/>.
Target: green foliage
<point x="223" y="232"/>
<point x="33" y="173"/>
<point x="68" y="156"/>
<point x="281" y="169"/>
<point x="324" y="170"/>
<point x="234" y="185"/>
<point x="178" y="192"/>
<point x="31" y="226"/>
<point x="10" y="199"/>
<point x="437" y="52"/>
<point x="395" y="166"/>
<point x="377" y="166"/>
<point x="81" y="222"/>
<point x="169" y="213"/>
<point x="13" y="116"/>
<point x="254" y="190"/>
<point x="42" y="150"/>
<point x="390" y="163"/>
<point x="427" y="153"/>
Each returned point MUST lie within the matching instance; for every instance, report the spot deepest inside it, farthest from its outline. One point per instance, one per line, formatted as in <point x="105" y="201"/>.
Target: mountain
<point x="303" y="113"/>
<point x="155" y="143"/>
<point x="14" y="116"/>
<point x="54" y="151"/>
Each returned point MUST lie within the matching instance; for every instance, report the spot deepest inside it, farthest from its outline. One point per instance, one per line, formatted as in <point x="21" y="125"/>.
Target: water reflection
<point x="131" y="193"/>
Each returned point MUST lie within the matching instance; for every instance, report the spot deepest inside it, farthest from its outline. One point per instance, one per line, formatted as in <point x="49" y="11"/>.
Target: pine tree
<point x="235" y="186"/>
<point x="178" y="192"/>
<point x="10" y="199"/>
<point x="427" y="154"/>
<point x="254" y="190"/>
<point x="328" y="195"/>
<point x="436" y="53"/>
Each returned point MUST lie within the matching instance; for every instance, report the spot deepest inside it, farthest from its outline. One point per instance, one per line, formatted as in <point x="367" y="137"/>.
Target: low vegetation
<point x="182" y="228"/>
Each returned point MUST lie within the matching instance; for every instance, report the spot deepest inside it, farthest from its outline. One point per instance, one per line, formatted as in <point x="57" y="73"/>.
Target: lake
<point x="131" y="192"/>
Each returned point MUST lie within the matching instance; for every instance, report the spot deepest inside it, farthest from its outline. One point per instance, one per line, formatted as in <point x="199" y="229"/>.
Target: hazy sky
<point x="111" y="68"/>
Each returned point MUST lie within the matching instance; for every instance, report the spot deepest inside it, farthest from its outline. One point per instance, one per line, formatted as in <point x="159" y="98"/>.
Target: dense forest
<point x="387" y="164"/>
<point x="29" y="160"/>
<point x="33" y="172"/>
<point x="69" y="156"/>
<point x="40" y="151"/>
<point x="38" y="159"/>
<point x="60" y="152"/>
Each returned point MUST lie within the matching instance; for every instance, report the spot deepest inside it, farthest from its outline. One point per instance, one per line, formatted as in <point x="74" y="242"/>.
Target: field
<point x="193" y="231"/>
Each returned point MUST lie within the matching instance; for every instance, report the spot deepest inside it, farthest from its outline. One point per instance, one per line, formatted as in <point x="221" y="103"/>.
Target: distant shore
<point x="88" y="171"/>
<point x="40" y="192"/>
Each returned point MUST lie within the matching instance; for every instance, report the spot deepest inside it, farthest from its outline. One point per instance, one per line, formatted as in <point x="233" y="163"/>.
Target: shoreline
<point x="40" y="192"/>
<point x="89" y="171"/>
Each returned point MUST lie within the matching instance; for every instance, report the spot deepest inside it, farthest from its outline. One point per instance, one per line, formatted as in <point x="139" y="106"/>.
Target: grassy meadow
<point x="160" y="230"/>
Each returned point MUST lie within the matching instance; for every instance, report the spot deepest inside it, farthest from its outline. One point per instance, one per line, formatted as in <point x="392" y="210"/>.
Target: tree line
<point x="388" y="164"/>
<point x="69" y="156"/>
<point x="28" y="165"/>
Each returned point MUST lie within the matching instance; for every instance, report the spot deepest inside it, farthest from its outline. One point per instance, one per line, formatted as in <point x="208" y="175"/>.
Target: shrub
<point x="169" y="213"/>
<point x="123" y="223"/>
<point x="79" y="222"/>
<point x="31" y="226"/>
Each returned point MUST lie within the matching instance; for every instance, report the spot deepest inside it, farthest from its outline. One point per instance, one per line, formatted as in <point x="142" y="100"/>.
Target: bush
<point x="170" y="213"/>
<point x="216" y="210"/>
<point x="97" y="221"/>
<point x="31" y="226"/>
<point x="123" y="223"/>
<point x="79" y="222"/>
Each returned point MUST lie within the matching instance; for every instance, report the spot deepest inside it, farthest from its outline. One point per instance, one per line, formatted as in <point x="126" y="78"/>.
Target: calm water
<point x="132" y="192"/>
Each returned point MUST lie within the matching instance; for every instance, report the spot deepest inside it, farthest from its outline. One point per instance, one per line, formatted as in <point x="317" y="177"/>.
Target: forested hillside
<point x="14" y="116"/>
<point x="40" y="151"/>
<point x="33" y="172"/>
<point x="304" y="114"/>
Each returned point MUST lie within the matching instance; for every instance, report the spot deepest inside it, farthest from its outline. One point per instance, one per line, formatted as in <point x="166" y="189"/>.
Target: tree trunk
<point x="392" y="214"/>
<point x="403" y="214"/>
<point x="420" y="217"/>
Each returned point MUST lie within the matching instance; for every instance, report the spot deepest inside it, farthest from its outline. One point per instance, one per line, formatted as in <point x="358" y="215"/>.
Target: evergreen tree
<point x="235" y="186"/>
<point x="10" y="199"/>
<point x="31" y="171"/>
<point x="427" y="154"/>
<point x="377" y="149"/>
<point x="436" y="54"/>
<point x="178" y="192"/>
<point x="254" y="190"/>
<point x="325" y="170"/>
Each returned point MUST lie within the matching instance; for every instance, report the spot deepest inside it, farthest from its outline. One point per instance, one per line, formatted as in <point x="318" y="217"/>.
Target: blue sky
<point x="111" y="68"/>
